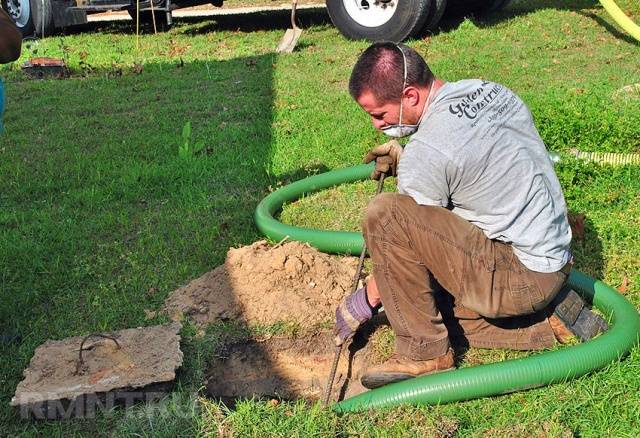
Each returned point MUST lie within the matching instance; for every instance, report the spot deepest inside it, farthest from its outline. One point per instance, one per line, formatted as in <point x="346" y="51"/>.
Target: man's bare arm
<point x="10" y="39"/>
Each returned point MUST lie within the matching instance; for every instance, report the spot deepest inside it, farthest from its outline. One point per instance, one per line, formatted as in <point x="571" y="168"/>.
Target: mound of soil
<point x="263" y="284"/>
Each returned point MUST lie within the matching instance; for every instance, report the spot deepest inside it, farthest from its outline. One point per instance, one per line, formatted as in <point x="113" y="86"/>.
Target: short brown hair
<point x="380" y="70"/>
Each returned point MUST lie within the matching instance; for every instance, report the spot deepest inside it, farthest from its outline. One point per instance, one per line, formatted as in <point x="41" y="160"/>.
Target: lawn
<point x="101" y="216"/>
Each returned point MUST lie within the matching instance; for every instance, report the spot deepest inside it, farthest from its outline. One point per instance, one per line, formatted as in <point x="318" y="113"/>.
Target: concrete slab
<point x="122" y="368"/>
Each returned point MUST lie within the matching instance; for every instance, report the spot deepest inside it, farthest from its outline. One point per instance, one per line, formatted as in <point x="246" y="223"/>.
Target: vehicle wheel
<point x="31" y="16"/>
<point x="375" y="20"/>
<point x="435" y="15"/>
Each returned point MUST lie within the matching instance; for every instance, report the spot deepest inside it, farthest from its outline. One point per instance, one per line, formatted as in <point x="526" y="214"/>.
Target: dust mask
<point x="400" y="129"/>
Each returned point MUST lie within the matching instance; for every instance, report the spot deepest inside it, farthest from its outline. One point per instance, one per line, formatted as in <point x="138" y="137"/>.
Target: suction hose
<point x="474" y="382"/>
<point x="619" y="17"/>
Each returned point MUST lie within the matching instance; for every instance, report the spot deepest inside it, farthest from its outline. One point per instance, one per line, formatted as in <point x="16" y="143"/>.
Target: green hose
<point x="335" y="242"/>
<point x="474" y="382"/>
<point x="623" y="21"/>
<point x="516" y="375"/>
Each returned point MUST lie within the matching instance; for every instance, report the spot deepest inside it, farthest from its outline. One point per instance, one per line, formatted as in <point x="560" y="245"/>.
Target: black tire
<point x="435" y="15"/>
<point x="408" y="19"/>
<point x="31" y="16"/>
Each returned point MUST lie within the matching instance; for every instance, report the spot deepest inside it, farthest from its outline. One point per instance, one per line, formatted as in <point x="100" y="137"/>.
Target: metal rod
<point x="80" y="362"/>
<point x="354" y="287"/>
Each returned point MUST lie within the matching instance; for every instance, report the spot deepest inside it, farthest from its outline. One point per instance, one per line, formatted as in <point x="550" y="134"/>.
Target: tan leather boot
<point x="560" y="331"/>
<point x="398" y="368"/>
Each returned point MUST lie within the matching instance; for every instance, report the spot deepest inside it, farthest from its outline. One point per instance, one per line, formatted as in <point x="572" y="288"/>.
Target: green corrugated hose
<point x="335" y="242"/>
<point x="474" y="382"/>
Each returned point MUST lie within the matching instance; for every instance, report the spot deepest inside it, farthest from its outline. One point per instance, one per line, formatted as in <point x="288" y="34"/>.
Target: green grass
<point x="100" y="217"/>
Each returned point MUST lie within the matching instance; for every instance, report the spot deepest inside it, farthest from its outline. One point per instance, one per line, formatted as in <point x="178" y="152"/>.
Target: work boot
<point x="560" y="331"/>
<point x="398" y="368"/>
<point x="572" y="314"/>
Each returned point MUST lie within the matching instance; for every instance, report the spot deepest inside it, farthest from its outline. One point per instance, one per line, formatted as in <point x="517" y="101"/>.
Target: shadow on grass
<point x="586" y="245"/>
<point x="257" y="21"/>
<point x="611" y="29"/>
<point x="458" y="10"/>
<point x="102" y="215"/>
<point x="298" y="174"/>
<point x="245" y="23"/>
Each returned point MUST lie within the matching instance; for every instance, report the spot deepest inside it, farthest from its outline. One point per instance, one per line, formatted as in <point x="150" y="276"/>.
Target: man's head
<point x="378" y="83"/>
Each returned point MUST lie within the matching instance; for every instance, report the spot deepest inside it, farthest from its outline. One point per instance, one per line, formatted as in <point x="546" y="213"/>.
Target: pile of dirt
<point x="263" y="284"/>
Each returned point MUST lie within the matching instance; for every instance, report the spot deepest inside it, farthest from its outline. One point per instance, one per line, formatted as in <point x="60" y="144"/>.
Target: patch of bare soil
<point x="289" y="368"/>
<point x="263" y="284"/>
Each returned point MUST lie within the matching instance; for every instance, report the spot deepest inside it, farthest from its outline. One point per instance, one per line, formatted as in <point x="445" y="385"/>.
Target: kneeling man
<point x="479" y="211"/>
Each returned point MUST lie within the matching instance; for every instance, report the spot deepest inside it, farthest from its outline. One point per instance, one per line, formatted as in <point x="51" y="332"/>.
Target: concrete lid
<point x="145" y="355"/>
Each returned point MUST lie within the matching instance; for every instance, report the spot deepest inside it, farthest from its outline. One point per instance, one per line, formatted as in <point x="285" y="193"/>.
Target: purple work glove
<point x="350" y="314"/>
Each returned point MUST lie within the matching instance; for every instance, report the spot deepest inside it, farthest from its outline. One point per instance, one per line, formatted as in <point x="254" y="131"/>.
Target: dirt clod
<point x="261" y="284"/>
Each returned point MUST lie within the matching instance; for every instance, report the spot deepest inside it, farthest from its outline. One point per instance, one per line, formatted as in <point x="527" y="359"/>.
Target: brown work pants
<point x="494" y="301"/>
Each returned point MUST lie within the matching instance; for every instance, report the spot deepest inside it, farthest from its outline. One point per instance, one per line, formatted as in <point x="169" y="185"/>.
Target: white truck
<point x="374" y="20"/>
<point x="396" y="20"/>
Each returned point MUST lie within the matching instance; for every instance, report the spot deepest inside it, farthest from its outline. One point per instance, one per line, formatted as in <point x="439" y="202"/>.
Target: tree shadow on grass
<point x="110" y="201"/>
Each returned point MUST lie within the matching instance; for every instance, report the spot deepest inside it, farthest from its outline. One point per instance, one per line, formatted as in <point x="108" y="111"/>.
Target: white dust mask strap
<point x="400" y="129"/>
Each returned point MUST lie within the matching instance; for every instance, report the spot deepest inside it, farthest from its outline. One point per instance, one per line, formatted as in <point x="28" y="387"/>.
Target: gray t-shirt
<point x="477" y="153"/>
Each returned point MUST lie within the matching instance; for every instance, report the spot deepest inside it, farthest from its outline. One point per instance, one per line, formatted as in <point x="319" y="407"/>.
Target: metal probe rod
<point x="332" y="375"/>
<point x="354" y="287"/>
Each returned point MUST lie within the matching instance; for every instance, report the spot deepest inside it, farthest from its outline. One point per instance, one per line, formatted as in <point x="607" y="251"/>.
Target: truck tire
<point x="435" y="15"/>
<point x="31" y="16"/>
<point x="376" y="20"/>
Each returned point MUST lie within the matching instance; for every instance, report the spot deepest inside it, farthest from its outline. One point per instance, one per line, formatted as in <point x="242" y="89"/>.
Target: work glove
<point x="351" y="314"/>
<point x="387" y="157"/>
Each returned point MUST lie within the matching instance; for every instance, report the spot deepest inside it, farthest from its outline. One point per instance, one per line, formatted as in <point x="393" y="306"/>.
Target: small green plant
<point x="187" y="148"/>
